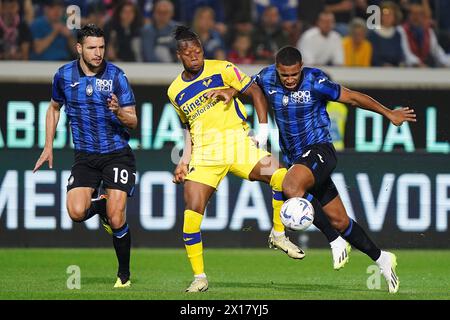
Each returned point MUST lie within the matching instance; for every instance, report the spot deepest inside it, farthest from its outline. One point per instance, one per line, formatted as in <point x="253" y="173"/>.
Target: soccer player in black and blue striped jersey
<point x="298" y="96"/>
<point x="100" y="106"/>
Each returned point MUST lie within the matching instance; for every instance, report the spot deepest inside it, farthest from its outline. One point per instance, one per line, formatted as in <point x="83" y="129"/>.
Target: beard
<point x="91" y="66"/>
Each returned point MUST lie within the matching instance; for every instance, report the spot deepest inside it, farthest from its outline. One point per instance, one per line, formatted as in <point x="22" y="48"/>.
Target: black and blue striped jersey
<point x="95" y="129"/>
<point x="300" y="114"/>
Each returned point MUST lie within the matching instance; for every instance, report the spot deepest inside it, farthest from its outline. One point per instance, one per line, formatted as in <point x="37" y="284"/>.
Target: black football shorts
<point x="321" y="160"/>
<point x="117" y="170"/>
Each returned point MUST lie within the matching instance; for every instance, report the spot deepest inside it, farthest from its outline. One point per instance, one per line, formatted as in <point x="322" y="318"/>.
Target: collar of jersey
<point x="97" y="75"/>
<point x="198" y="75"/>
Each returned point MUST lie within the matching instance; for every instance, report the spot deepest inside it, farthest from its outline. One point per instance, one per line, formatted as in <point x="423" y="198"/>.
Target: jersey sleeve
<point x="236" y="78"/>
<point x="180" y="113"/>
<point x="58" y="89"/>
<point x="124" y="92"/>
<point x="259" y="78"/>
<point x="326" y="88"/>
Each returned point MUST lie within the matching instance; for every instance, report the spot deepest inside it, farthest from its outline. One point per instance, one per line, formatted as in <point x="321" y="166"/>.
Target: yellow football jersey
<point x="213" y="124"/>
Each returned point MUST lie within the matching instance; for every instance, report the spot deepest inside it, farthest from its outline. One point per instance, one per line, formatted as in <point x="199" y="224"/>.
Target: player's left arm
<point x="126" y="115"/>
<point x="122" y="102"/>
<point x="361" y="100"/>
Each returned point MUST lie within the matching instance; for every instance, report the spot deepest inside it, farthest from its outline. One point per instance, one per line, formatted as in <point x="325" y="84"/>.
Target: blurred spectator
<point x="357" y="49"/>
<point x="308" y="12"/>
<point x="158" y="44"/>
<point x="186" y="10"/>
<point x="443" y="23"/>
<point x="241" y="24"/>
<point x="322" y="45"/>
<point x="26" y="11"/>
<point x="146" y="7"/>
<point x="15" y="36"/>
<point x="123" y="33"/>
<point x="212" y="41"/>
<point x="52" y="40"/>
<point x="419" y="41"/>
<point x="386" y="41"/>
<point x="268" y="37"/>
<point x="96" y="14"/>
<point x="286" y="8"/>
<point x="288" y="11"/>
<point x="343" y="11"/>
<point x="237" y="11"/>
<point x="241" y="52"/>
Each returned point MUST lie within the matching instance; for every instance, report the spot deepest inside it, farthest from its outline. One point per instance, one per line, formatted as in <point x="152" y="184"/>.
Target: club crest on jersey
<point x="207" y="82"/>
<point x="301" y="96"/>
<point x="103" y="85"/>
<point x="285" y="100"/>
<point x="89" y="90"/>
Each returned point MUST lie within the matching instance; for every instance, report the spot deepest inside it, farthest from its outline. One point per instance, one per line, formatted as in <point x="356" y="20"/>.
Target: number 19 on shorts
<point x="120" y="175"/>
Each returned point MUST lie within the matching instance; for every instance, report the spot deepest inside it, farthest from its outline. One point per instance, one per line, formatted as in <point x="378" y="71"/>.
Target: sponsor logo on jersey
<point x="103" y="85"/>
<point x="301" y="96"/>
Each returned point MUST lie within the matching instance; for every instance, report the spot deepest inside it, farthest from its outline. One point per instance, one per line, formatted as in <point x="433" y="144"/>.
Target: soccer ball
<point x="297" y="214"/>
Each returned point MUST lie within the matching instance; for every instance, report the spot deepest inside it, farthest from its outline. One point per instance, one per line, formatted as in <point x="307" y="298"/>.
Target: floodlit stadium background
<point x="394" y="181"/>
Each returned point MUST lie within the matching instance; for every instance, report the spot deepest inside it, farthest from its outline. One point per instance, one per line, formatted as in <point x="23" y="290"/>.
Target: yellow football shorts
<point x="239" y="159"/>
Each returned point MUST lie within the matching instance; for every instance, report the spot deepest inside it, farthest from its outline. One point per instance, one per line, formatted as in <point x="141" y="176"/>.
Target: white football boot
<point x="387" y="263"/>
<point x="284" y="244"/>
<point x="198" y="285"/>
<point x="340" y="250"/>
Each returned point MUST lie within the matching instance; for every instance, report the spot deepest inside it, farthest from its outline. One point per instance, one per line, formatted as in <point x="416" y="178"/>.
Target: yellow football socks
<point x="193" y="240"/>
<point x="277" y="198"/>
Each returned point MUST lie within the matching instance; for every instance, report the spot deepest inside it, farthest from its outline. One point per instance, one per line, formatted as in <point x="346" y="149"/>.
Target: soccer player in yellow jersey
<point x="217" y="142"/>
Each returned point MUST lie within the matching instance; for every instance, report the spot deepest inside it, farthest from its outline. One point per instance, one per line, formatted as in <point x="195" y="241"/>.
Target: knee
<point x="291" y="191"/>
<point x="340" y="223"/>
<point x="116" y="219"/>
<point x="77" y="212"/>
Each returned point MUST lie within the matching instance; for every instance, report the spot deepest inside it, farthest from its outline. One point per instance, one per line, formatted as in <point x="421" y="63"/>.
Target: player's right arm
<point x="182" y="168"/>
<point x="51" y="122"/>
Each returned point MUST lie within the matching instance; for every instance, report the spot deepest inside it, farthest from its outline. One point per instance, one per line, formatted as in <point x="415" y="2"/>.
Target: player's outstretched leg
<point x="122" y="245"/>
<point x="277" y="237"/>
<point x="387" y="261"/>
<point x="298" y="180"/>
<point x="116" y="207"/>
<point x="340" y="248"/>
<point x="193" y="242"/>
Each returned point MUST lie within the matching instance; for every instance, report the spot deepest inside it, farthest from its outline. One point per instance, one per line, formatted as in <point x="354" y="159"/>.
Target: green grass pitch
<point x="245" y="274"/>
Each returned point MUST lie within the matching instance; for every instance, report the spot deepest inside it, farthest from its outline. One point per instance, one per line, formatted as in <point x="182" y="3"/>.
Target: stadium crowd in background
<point x="411" y="33"/>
